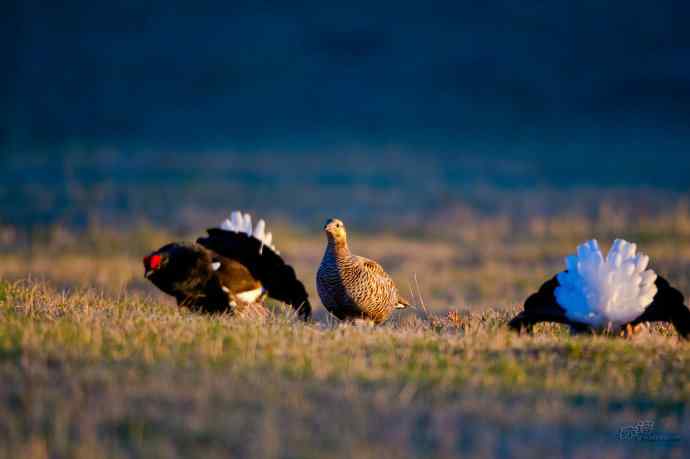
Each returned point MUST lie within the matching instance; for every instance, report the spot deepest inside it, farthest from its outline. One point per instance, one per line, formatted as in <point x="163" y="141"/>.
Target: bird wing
<point x="372" y="266"/>
<point x="378" y="270"/>
<point x="235" y="275"/>
<point x="668" y="306"/>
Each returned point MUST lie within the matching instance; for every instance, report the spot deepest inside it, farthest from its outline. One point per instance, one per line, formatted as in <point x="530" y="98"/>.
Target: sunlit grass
<point x="131" y="362"/>
<point x="95" y="362"/>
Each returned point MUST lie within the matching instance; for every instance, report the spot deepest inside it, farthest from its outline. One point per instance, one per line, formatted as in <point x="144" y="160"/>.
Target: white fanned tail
<point x="242" y="223"/>
<point x="606" y="293"/>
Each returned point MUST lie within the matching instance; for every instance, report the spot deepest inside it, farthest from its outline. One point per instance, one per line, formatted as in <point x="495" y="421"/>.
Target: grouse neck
<point x="339" y="249"/>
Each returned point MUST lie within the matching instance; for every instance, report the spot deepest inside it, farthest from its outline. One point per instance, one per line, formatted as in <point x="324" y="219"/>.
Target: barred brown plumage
<point x="353" y="287"/>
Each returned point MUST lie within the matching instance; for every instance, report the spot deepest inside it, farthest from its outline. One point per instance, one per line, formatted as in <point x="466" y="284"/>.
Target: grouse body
<point x="234" y="266"/>
<point x="616" y="294"/>
<point x="353" y="287"/>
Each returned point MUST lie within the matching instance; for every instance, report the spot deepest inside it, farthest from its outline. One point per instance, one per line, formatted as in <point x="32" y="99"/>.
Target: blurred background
<point x="469" y="123"/>
<point x="164" y="110"/>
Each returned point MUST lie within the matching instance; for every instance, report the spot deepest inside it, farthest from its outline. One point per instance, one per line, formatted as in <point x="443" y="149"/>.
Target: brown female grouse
<point x="353" y="287"/>
<point x="235" y="266"/>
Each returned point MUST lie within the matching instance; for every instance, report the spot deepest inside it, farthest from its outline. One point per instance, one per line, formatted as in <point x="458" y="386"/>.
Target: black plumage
<point x="224" y="270"/>
<point x="185" y="271"/>
<point x="263" y="263"/>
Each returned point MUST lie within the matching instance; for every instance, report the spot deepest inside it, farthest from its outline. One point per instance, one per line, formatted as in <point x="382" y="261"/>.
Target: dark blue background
<point x="506" y="93"/>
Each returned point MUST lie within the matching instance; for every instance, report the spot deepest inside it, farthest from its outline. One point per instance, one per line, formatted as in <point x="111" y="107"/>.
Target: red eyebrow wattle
<point x="155" y="261"/>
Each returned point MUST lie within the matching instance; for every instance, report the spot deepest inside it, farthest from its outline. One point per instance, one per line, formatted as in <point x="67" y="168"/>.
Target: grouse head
<point x="335" y="230"/>
<point x="178" y="263"/>
<point x="152" y="263"/>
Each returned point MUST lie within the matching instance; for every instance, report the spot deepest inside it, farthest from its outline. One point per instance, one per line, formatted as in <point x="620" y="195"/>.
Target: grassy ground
<point x="88" y="375"/>
<point x="95" y="363"/>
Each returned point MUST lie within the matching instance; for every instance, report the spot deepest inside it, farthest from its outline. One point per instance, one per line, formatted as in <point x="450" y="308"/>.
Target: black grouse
<point x="616" y="293"/>
<point x="234" y="266"/>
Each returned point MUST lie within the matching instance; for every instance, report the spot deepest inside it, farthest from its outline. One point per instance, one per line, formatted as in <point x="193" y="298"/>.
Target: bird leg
<point x="631" y="330"/>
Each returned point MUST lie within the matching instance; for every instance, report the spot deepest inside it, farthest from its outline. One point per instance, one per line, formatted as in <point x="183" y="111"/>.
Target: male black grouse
<point x="233" y="266"/>
<point x="617" y="294"/>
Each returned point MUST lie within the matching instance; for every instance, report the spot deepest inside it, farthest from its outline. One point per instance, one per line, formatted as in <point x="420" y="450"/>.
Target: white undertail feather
<point x="250" y="296"/>
<point x="606" y="292"/>
<point x="242" y="223"/>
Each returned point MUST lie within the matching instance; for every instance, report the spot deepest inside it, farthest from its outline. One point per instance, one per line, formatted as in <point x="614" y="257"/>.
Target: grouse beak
<point x="328" y="223"/>
<point x="148" y="270"/>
